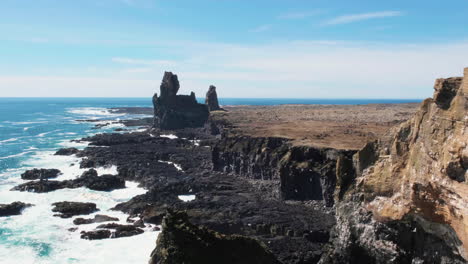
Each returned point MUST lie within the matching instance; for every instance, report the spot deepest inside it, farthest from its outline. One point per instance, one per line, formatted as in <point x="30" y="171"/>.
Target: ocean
<point x="31" y="130"/>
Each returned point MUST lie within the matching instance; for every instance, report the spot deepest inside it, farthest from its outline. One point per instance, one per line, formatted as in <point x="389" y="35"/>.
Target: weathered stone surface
<point x="14" y="208"/>
<point x="172" y="111"/>
<point x="97" y="219"/>
<point x="299" y="173"/>
<point x="36" y="174"/>
<point x="183" y="242"/>
<point x="92" y="181"/>
<point x="69" y="209"/>
<point x="89" y="179"/>
<point x="67" y="151"/>
<point x="211" y="99"/>
<point x="96" y="234"/>
<point x="409" y="202"/>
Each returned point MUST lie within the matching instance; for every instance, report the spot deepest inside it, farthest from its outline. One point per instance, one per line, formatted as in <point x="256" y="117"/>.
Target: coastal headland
<point x="379" y="183"/>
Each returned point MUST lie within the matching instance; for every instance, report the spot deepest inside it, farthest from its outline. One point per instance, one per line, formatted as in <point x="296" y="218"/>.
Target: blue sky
<point x="274" y="48"/>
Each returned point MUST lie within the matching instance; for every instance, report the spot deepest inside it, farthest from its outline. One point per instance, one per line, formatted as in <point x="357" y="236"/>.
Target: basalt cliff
<point x="382" y="183"/>
<point x="407" y="201"/>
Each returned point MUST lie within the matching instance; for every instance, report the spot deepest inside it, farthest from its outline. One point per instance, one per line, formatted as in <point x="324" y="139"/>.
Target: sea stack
<point x="172" y="111"/>
<point x="211" y="99"/>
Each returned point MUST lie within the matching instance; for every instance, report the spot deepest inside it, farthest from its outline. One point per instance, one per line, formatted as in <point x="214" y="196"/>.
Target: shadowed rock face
<point x="14" y="208"/>
<point x="409" y="201"/>
<point x="172" y="111"/>
<point x="183" y="242"/>
<point x="211" y="99"/>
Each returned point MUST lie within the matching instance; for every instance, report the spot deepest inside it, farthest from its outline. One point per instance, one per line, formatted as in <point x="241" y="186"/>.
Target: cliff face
<point x="409" y="200"/>
<point x="172" y="111"/>
<point x="293" y="172"/>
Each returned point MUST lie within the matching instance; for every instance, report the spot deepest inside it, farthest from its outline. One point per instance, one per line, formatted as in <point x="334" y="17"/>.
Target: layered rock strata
<point x="408" y="201"/>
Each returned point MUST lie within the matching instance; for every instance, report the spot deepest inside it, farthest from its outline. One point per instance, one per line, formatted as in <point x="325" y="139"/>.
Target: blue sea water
<point x="31" y="130"/>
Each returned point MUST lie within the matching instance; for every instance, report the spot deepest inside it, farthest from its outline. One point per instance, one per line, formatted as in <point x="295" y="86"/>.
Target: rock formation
<point x="70" y="209"/>
<point x="409" y="200"/>
<point x="183" y="242"/>
<point x="296" y="172"/>
<point x="172" y="111"/>
<point x="15" y="208"/>
<point x="40" y="174"/>
<point x="211" y="99"/>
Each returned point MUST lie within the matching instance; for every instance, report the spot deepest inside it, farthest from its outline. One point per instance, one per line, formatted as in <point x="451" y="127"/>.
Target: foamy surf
<point x="46" y="238"/>
<point x="92" y="111"/>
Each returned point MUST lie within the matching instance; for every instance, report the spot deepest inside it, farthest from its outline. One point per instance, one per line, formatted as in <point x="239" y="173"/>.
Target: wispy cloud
<point x="261" y="28"/>
<point x="143" y="62"/>
<point x="346" y="19"/>
<point x="300" y="15"/>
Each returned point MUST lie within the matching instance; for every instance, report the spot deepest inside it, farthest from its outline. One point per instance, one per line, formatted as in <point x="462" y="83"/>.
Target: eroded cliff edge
<point x="408" y="199"/>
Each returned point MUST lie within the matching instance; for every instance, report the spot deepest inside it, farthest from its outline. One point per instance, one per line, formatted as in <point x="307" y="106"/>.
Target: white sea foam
<point x="26" y="128"/>
<point x="74" y="144"/>
<point x="15" y="155"/>
<point x="187" y="197"/>
<point x="26" y="123"/>
<point x="39" y="237"/>
<point x="170" y="136"/>
<point x="8" y="140"/>
<point x="92" y="111"/>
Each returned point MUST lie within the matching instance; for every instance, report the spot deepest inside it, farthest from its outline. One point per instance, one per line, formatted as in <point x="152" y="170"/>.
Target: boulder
<point x="91" y="180"/>
<point x="40" y="186"/>
<point x="67" y="151"/>
<point x="97" y="219"/>
<point x="211" y="99"/>
<point x="39" y="174"/>
<point x="182" y="242"/>
<point x="122" y="230"/>
<point x="69" y="209"/>
<point x="172" y="111"/>
<point x="14" y="208"/>
<point x="96" y="234"/>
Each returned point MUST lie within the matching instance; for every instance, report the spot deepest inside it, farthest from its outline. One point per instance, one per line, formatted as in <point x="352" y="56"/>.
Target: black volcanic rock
<point x="183" y="242"/>
<point x="36" y="174"/>
<point x="40" y="186"/>
<point x="96" y="234"/>
<point x="172" y="111"/>
<point x="122" y="230"/>
<point x="67" y="151"/>
<point x="211" y="99"/>
<point x="14" y="208"/>
<point x="97" y="219"/>
<point x="89" y="179"/>
<point x="69" y="209"/>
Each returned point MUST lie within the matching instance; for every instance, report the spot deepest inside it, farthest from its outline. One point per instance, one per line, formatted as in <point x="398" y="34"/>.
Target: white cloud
<point x="144" y="62"/>
<point x="360" y="17"/>
<point x="261" y="28"/>
<point x="314" y="69"/>
<point x="300" y="15"/>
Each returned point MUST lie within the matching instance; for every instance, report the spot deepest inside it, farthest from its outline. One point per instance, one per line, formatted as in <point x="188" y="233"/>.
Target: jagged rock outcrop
<point x="183" y="242"/>
<point x="97" y="219"/>
<point x="15" y="208"/>
<point x="408" y="202"/>
<point x="296" y="172"/>
<point x="172" y="111"/>
<point x="211" y="99"/>
<point x="36" y="174"/>
<point x="69" y="209"/>
<point x="88" y="179"/>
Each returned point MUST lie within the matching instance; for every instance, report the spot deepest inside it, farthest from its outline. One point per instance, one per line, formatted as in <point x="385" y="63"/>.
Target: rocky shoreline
<point x="270" y="199"/>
